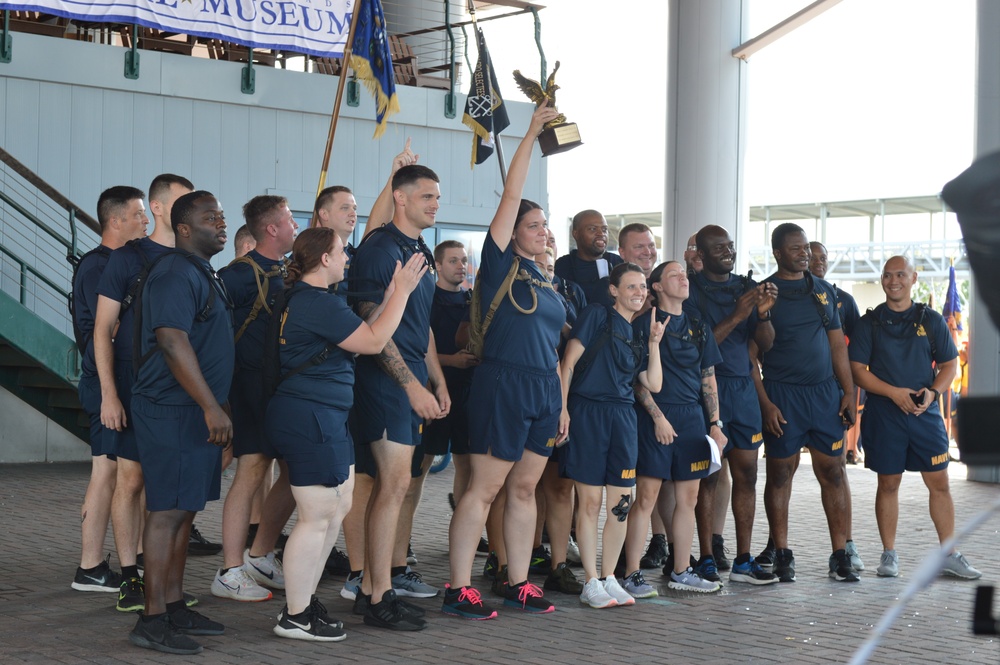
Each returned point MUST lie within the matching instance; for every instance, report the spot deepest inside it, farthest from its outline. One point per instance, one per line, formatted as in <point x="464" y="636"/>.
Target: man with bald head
<point x="691" y="257"/>
<point x="590" y="264"/>
<point x="903" y="355"/>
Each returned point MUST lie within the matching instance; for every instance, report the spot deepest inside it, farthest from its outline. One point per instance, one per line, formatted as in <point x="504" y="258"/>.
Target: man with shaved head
<point x="590" y="264"/>
<point x="903" y="355"/>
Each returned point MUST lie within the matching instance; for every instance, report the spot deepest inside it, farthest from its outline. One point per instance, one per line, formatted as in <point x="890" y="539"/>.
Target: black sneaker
<point x="841" y="568"/>
<point x="160" y="635"/>
<point x="361" y="603"/>
<point x="189" y="600"/>
<point x="319" y="609"/>
<point x="784" y="565"/>
<point x="140" y="562"/>
<point x="499" y="586"/>
<point x="766" y="558"/>
<point x="491" y="566"/>
<point x="199" y="545"/>
<point x="484" y="547"/>
<point x="131" y="595"/>
<point x="528" y="597"/>
<point x="411" y="558"/>
<point x="337" y="564"/>
<point x="387" y="614"/>
<point x="466" y="602"/>
<point x="563" y="580"/>
<point x="188" y="622"/>
<point x="656" y="553"/>
<point x="707" y="569"/>
<point x="541" y="561"/>
<point x="719" y="552"/>
<point x="309" y="625"/>
<point x="99" y="578"/>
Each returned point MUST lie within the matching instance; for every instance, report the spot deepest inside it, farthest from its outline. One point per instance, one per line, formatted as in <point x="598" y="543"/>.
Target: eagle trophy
<point x="537" y="94"/>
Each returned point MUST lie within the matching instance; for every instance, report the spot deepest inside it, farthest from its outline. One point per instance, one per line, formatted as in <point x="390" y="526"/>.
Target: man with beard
<point x="590" y="264"/>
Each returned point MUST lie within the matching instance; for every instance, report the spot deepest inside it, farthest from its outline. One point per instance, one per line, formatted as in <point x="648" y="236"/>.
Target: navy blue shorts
<point x="383" y="409"/>
<point x="513" y="409"/>
<point x="181" y="469"/>
<point x="451" y="433"/>
<point x="246" y="400"/>
<point x="739" y="412"/>
<point x="125" y="445"/>
<point x="102" y="439"/>
<point x="687" y="457"/>
<point x="813" y="419"/>
<point x="364" y="460"/>
<point x="897" y="442"/>
<point x="313" y="439"/>
<point x="604" y="447"/>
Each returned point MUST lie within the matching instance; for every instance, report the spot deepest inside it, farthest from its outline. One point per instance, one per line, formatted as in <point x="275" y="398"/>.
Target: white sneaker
<point x="264" y="570"/>
<point x="238" y="585"/>
<point x="957" y="565"/>
<point x="573" y="551"/>
<point x="690" y="581"/>
<point x="615" y="590"/>
<point x="595" y="595"/>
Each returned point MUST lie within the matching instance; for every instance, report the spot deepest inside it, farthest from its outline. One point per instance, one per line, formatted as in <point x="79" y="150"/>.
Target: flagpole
<point x="345" y="63"/>
<point x="496" y="138"/>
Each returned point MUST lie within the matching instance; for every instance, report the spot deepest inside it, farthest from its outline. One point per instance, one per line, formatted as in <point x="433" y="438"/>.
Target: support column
<point x="706" y="121"/>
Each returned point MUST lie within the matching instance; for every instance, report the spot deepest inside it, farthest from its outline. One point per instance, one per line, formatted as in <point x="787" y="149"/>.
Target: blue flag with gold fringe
<point x="952" y="303"/>
<point x="485" y="112"/>
<point x="372" y="62"/>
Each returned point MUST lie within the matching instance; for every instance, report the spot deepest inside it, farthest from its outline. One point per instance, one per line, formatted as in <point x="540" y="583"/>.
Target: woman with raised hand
<point x="515" y="402"/>
<point x="314" y="344"/>
<point x="604" y="359"/>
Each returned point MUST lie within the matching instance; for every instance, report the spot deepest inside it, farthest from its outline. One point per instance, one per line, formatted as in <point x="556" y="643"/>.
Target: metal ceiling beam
<point x="776" y="32"/>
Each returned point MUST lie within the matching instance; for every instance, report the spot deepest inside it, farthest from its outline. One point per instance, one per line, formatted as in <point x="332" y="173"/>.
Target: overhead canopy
<point x="906" y="205"/>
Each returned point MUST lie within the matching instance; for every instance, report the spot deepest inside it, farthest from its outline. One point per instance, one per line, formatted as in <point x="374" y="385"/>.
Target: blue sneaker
<point x="707" y="570"/>
<point x="751" y="573"/>
<point x="352" y="587"/>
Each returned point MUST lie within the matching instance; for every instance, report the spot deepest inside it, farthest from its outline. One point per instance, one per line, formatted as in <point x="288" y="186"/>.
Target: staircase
<point x="39" y="230"/>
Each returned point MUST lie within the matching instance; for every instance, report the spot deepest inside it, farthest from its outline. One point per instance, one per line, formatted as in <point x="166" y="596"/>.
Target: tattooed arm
<point x="664" y="430"/>
<point x="710" y="402"/>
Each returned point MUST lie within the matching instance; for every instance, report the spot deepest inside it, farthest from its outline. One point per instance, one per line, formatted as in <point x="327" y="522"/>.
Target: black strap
<point x="604" y="335"/>
<point x="272" y="345"/>
<point x="875" y="316"/>
<point x="83" y="339"/>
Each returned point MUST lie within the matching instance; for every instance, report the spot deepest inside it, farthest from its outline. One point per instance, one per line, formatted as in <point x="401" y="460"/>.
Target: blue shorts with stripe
<point x="687" y="457"/>
<point x="603" y="449"/>
<point x="739" y="412"/>
<point x="382" y="407"/>
<point x="813" y="415"/>
<point x="897" y="441"/>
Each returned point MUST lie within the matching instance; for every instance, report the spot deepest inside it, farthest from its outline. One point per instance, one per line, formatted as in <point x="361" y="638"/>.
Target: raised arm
<point x="502" y="226"/>
<point x="382" y="209"/>
<point x="371" y="337"/>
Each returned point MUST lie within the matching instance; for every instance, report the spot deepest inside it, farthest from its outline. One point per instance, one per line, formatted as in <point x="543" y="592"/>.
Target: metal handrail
<point x="27" y="268"/>
<point x="70" y="245"/>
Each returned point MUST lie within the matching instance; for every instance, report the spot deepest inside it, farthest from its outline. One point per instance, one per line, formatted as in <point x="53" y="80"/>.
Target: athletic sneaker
<point x="637" y="586"/>
<point x="264" y="570"/>
<point x="528" y="597"/>
<point x="956" y="565"/>
<point x="160" y="634"/>
<point x="466" y="602"/>
<point x="387" y="614"/>
<point x="188" y="622"/>
<point x="719" y="552"/>
<point x="689" y="581"/>
<point x="563" y="580"/>
<point x="541" y="561"/>
<point x="573" y="551"/>
<point x="235" y="583"/>
<point x="337" y="564"/>
<point x="595" y="595"/>
<point x="140" y="562"/>
<point x="307" y="626"/>
<point x="352" y="586"/>
<point x="131" y="595"/>
<point x="411" y="558"/>
<point x="484" y="547"/>
<point x="320" y="610"/>
<point x="852" y="552"/>
<point x="707" y="570"/>
<point x="656" y="553"/>
<point x="407" y="609"/>
<point x="784" y="565"/>
<point x="199" y="545"/>
<point x="668" y="563"/>
<point x="189" y="600"/>
<point x="499" y="584"/>
<point x="751" y="573"/>
<point x="841" y="569"/>
<point x="615" y="590"/>
<point x="99" y="578"/>
<point x="410" y="584"/>
<point x="888" y="565"/>
<point x="491" y="566"/>
<point x="766" y="558"/>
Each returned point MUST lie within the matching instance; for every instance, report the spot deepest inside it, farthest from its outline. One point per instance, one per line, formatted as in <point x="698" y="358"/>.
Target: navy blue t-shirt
<point x="241" y="284"/>
<point x="586" y="275"/>
<point x="88" y="275"/>
<point x="610" y="376"/>
<point x="449" y="310"/>
<point x="847" y="307"/>
<point x="176" y="292"/>
<point x="515" y="338"/>
<point x="573" y="295"/>
<point x="123" y="267"/>
<point x="901" y="356"/>
<point x="801" y="351"/>
<point x="315" y="319"/>
<point x="680" y="356"/>
<point x="340" y="288"/>
<point x="711" y="302"/>
<point x="371" y="272"/>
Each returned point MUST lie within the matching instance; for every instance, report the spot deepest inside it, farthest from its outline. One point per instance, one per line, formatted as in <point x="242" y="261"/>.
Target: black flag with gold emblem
<point x="485" y="112"/>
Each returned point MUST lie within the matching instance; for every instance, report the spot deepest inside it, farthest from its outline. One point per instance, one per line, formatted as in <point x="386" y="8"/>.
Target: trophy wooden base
<point x="559" y="139"/>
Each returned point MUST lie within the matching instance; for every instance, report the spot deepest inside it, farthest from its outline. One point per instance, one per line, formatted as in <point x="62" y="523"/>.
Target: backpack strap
<point x="82" y="338"/>
<point x="272" y="346"/>
<point x="263" y="281"/>
<point x="479" y="326"/>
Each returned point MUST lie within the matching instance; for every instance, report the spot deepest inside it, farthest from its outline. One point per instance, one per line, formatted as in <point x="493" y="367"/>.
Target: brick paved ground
<point x="813" y="620"/>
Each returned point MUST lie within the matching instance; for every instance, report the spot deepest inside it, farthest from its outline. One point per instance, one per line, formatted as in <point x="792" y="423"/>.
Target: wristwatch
<point x="937" y="394"/>
<point x="716" y="423"/>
